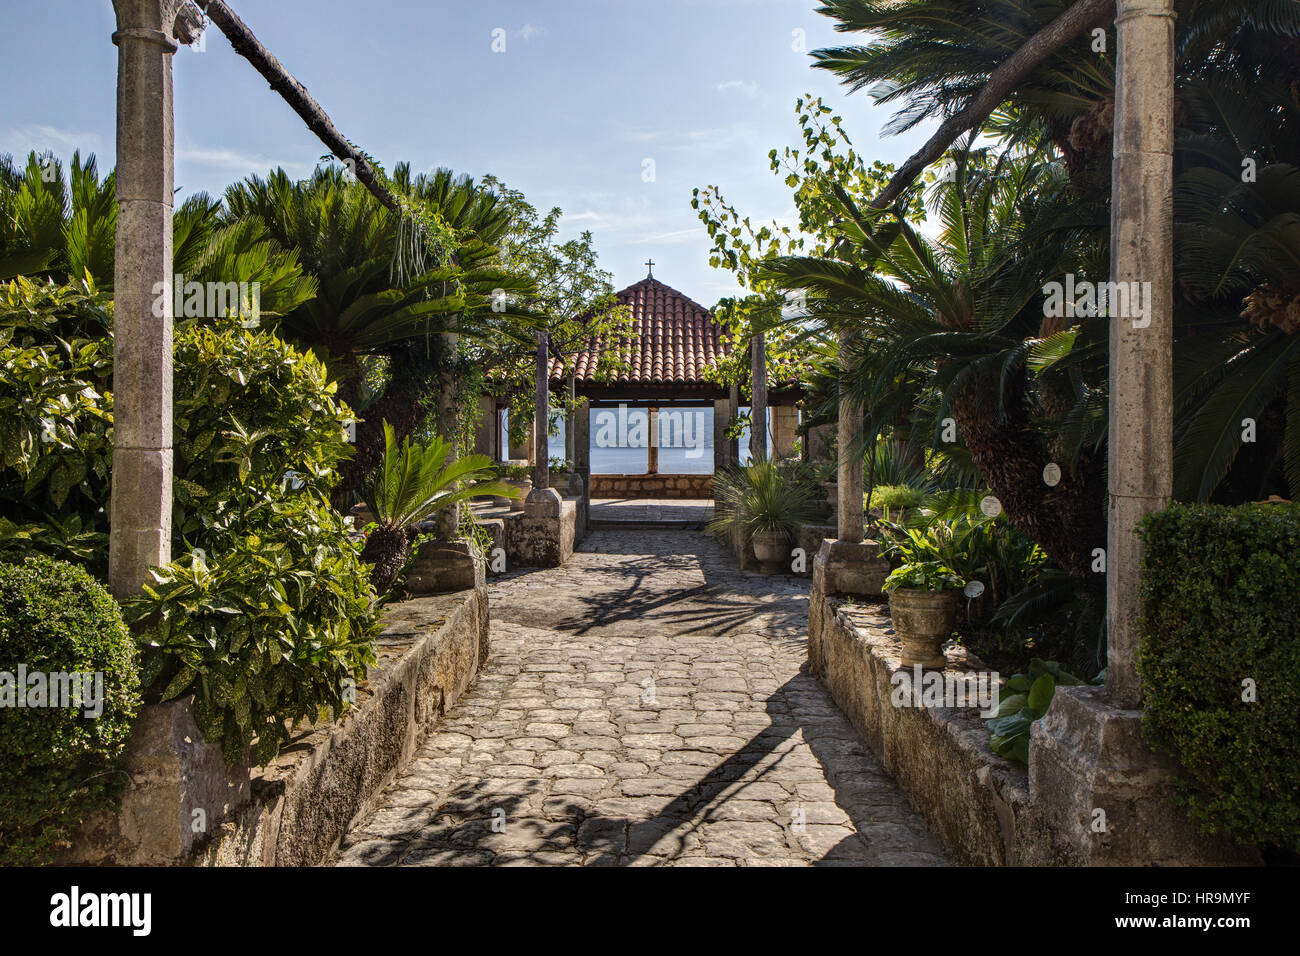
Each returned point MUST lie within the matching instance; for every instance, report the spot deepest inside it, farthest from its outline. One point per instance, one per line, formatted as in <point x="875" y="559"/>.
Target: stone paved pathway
<point x="644" y="706"/>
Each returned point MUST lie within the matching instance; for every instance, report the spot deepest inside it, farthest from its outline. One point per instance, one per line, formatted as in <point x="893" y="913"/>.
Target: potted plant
<point x="763" y="505"/>
<point x="518" y="476"/>
<point x="413" y="483"/>
<point x="924" y="598"/>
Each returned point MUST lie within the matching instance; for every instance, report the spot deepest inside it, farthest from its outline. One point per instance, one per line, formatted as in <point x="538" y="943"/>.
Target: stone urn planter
<point x="772" y="548"/>
<point x="521" y="485"/>
<point x="924" y="621"/>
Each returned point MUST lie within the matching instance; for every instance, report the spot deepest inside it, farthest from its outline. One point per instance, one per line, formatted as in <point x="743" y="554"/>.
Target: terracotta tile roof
<point x="672" y="340"/>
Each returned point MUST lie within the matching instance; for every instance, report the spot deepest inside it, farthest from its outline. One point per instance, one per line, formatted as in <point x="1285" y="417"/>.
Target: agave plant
<point x="415" y="482"/>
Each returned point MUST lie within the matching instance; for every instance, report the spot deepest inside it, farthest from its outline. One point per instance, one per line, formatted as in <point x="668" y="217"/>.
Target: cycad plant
<point x="415" y="482"/>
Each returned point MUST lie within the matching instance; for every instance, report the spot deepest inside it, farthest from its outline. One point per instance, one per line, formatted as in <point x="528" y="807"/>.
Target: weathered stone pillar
<point x="652" y="449"/>
<point x="582" y="450"/>
<point x="542" y="416"/>
<point x="733" y="443"/>
<point x="850" y="464"/>
<point x="487" y="429"/>
<point x="141" y="505"/>
<point x="785" y="430"/>
<point x="722" y="412"/>
<point x="758" y="406"/>
<point x="569" y="419"/>
<point x="1141" y="348"/>
<point x="448" y="519"/>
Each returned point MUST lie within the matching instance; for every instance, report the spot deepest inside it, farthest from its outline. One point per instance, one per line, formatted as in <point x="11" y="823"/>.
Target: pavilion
<point x="670" y="345"/>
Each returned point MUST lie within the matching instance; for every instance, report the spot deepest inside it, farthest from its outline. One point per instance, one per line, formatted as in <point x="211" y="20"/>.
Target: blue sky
<point x="585" y="92"/>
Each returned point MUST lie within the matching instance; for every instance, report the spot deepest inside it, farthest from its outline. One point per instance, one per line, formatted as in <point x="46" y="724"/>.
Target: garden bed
<point x="301" y="805"/>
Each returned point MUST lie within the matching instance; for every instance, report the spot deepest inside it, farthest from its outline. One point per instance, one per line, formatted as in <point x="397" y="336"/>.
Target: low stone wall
<point x="1084" y="757"/>
<point x="296" y="810"/>
<point x="971" y="798"/>
<point x="652" y="486"/>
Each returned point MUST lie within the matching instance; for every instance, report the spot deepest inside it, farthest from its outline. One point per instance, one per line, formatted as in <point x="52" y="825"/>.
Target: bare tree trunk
<point x="295" y="94"/>
<point x="1002" y="81"/>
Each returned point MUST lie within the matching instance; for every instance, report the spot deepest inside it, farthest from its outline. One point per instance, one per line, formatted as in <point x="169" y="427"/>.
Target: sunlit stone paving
<point x="644" y="706"/>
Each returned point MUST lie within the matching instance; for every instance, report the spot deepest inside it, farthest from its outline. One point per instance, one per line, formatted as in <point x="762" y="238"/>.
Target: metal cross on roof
<point x="651" y="265"/>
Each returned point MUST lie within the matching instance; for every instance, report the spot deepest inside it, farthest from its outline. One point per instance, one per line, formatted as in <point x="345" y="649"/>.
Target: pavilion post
<point x="758" y="406"/>
<point x="1141" y="350"/>
<point x="542" y="416"/>
<point x="448" y="519"/>
<point x="722" y="412"/>
<point x="141" y="504"/>
<point x="733" y="442"/>
<point x="652" y="450"/>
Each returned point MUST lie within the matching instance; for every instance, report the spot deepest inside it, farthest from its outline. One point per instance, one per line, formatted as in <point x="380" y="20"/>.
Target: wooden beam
<point x="1084" y="15"/>
<point x="295" y="94"/>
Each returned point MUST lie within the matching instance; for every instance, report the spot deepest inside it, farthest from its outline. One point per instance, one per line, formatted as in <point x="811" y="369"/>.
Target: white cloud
<point x="242" y="163"/>
<point x="40" y="138"/>
<point x="709" y="140"/>
<point x="529" y="32"/>
<point x="749" y="89"/>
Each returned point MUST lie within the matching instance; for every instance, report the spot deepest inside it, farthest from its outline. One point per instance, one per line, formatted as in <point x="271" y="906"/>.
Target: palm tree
<point x="64" y="226"/>
<point x="365" y="307"/>
<point x="948" y="327"/>
<point x="413" y="483"/>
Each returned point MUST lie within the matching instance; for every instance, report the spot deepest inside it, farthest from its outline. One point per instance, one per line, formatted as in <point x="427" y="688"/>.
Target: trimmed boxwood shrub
<point x="59" y="763"/>
<point x="1220" y="663"/>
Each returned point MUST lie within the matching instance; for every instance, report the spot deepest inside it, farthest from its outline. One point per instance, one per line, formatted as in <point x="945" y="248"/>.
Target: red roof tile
<point x="672" y="340"/>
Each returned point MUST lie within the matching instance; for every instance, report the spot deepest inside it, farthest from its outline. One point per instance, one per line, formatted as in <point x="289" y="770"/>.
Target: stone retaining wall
<point x="652" y="486"/>
<point x="296" y="810"/>
<point x="971" y="798"/>
<point x="1084" y="757"/>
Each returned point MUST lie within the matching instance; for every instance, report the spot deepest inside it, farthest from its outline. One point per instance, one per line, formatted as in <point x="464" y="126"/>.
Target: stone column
<point x="1141" y="349"/>
<point x="569" y="419"/>
<point x="541" y="419"/>
<point x="722" y="412"/>
<point x="850" y="465"/>
<point x="785" y="430"/>
<point x="582" y="449"/>
<point x="141" y="504"/>
<point x="758" y="407"/>
<point x="448" y="519"/>
<point x="733" y="443"/>
<point x="487" y="429"/>
<point x="652" y="450"/>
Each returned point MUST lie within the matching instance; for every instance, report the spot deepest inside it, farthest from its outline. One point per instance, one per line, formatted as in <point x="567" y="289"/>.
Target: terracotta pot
<point x="924" y="621"/>
<point x="772" y="548"/>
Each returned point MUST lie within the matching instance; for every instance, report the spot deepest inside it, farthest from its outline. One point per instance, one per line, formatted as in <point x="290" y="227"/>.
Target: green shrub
<point x="890" y="498"/>
<point x="268" y="624"/>
<point x="265" y="628"/>
<point x="923" y="576"/>
<point x="59" y="763"/>
<point x="249" y="407"/>
<point x="56" y="421"/>
<point x="1218" y="621"/>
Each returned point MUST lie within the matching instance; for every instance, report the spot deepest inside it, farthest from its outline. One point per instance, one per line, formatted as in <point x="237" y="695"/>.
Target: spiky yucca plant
<point x="762" y="498"/>
<point x="413" y="483"/>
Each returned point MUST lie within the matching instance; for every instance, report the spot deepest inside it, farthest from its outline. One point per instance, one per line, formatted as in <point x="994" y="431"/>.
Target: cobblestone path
<point x="644" y="706"/>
